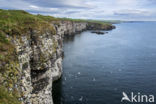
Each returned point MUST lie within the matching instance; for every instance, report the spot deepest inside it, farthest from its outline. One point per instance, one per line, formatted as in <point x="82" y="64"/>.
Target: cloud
<point x="132" y="12"/>
<point x="87" y="9"/>
<point x="34" y="7"/>
<point x="59" y="3"/>
<point x="13" y="4"/>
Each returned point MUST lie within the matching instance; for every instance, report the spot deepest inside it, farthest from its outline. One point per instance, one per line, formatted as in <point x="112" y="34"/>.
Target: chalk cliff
<point x="38" y="61"/>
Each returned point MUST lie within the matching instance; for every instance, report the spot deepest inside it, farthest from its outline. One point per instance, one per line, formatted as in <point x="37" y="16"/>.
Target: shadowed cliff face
<point x="38" y="58"/>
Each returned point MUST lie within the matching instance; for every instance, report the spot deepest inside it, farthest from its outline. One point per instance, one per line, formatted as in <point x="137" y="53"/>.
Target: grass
<point x="7" y="97"/>
<point x="90" y="21"/>
<point x="17" y="22"/>
<point x="47" y="18"/>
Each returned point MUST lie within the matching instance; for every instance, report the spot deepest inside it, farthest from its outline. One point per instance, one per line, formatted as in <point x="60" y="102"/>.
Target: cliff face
<point x="69" y="28"/>
<point x="40" y="60"/>
<point x="99" y="26"/>
<point x="39" y="56"/>
<point x="33" y="59"/>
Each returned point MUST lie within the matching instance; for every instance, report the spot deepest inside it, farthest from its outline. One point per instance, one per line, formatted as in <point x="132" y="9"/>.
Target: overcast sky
<point x="88" y="9"/>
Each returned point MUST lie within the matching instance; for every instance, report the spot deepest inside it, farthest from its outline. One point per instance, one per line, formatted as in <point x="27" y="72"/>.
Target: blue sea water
<point x="97" y="69"/>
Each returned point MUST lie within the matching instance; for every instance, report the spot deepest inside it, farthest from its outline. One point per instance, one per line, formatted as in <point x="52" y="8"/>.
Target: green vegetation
<point x="105" y="21"/>
<point x="47" y="18"/>
<point x="54" y="47"/>
<point x="7" y="98"/>
<point x="17" y="22"/>
<point x="109" y="22"/>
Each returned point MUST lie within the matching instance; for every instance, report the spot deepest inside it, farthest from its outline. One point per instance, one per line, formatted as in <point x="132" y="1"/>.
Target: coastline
<point x="37" y="50"/>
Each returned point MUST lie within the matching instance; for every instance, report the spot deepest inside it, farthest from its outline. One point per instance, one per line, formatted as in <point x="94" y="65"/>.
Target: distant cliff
<point x="31" y="52"/>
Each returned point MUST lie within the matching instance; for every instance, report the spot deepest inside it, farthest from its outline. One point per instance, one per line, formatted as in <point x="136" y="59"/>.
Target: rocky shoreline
<point x="39" y="55"/>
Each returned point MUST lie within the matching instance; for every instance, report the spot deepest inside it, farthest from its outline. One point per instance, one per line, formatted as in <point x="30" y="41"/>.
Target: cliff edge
<point x="31" y="52"/>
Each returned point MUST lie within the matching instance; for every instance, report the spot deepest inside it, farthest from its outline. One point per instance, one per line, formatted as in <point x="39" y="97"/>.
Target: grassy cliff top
<point x="17" y="22"/>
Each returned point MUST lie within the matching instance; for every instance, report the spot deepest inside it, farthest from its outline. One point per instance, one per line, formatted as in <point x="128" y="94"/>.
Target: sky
<point x="143" y="10"/>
